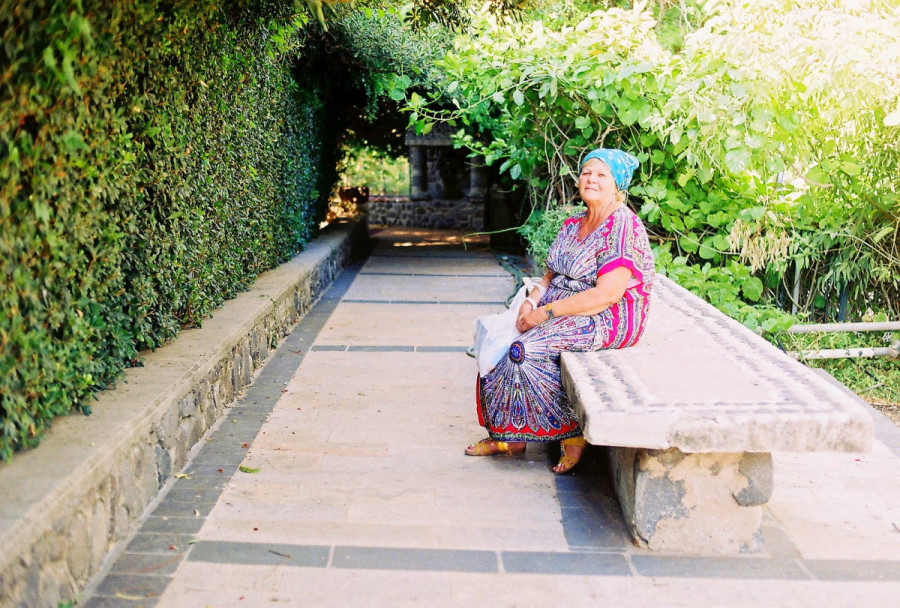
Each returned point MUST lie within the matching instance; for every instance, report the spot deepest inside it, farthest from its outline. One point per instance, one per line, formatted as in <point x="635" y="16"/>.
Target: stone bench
<point x="690" y="416"/>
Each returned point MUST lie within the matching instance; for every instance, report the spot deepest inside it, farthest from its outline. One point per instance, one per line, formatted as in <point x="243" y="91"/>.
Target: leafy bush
<point x="769" y="145"/>
<point x="156" y="156"/>
<point x="541" y="228"/>
<point x="365" y="166"/>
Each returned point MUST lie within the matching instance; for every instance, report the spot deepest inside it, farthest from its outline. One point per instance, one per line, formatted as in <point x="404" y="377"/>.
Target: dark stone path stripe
<point x="129" y="587"/>
<point x="434" y="274"/>
<point x="442" y="349"/>
<point x="147" y="564"/>
<point x="166" y="543"/>
<point x="718" y="567"/>
<point x="427" y="302"/>
<point x="403" y="348"/>
<point x="381" y="349"/>
<point x="591" y="517"/>
<point x="588" y="564"/>
<point x="436" y="560"/>
<point x="119" y="602"/>
<point x="178" y="525"/>
<point x="593" y="563"/>
<point x="259" y="554"/>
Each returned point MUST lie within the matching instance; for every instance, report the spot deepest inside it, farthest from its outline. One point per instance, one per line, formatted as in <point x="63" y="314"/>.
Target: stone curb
<point x="66" y="504"/>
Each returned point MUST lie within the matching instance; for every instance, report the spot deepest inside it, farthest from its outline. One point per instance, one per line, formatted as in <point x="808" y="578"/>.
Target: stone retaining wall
<point x="67" y="503"/>
<point x="461" y="214"/>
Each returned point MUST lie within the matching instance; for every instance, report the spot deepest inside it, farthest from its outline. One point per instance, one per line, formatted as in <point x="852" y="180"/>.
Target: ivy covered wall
<point x="155" y="157"/>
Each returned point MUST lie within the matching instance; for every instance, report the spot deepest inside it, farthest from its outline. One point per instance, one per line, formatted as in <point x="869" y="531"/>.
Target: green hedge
<point x="154" y="158"/>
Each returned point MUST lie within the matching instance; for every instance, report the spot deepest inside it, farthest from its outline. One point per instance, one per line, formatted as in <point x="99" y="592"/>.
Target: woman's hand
<point x="524" y="309"/>
<point x="530" y="317"/>
<point x="529" y="314"/>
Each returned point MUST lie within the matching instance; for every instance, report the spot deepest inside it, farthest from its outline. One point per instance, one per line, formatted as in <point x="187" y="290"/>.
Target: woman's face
<point x="596" y="183"/>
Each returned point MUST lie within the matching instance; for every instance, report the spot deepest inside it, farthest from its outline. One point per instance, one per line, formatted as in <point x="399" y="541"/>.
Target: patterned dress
<point x="522" y="398"/>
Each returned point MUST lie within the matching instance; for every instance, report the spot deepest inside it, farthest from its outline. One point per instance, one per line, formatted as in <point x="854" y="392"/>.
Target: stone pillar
<point x="477" y="181"/>
<point x="693" y="503"/>
<point x="418" y="174"/>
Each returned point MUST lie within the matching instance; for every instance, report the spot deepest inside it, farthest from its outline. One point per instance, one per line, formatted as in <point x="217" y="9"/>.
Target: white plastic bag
<point x="494" y="333"/>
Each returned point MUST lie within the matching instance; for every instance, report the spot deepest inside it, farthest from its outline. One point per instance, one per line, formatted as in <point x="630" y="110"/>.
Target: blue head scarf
<point x="621" y="164"/>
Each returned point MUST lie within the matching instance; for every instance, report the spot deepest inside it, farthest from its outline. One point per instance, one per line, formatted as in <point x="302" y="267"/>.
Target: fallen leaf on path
<point x="244" y="469"/>
<point x="125" y="596"/>
<point x="182" y="476"/>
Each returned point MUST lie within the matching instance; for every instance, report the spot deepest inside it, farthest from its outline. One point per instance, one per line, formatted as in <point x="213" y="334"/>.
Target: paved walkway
<point x="353" y="489"/>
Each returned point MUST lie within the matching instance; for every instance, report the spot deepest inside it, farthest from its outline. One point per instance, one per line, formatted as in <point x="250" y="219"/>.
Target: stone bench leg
<point x="693" y="503"/>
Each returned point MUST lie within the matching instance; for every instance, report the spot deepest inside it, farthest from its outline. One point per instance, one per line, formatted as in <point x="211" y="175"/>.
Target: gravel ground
<point x="891" y="410"/>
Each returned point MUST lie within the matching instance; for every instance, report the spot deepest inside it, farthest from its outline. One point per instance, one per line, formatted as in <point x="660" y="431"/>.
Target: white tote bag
<point x="494" y="333"/>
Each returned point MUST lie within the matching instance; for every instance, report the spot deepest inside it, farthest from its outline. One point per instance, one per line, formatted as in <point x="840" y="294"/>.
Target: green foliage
<point x="538" y="98"/>
<point x="156" y="156"/>
<point x="457" y="13"/>
<point x="729" y="287"/>
<point x="391" y="55"/>
<point x="383" y="174"/>
<point x="767" y="134"/>
<point x="541" y="228"/>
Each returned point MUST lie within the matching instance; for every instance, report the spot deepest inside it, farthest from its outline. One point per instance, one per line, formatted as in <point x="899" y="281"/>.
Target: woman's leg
<point x="522" y="398"/>
<point x="490" y="447"/>
<point x="571" y="451"/>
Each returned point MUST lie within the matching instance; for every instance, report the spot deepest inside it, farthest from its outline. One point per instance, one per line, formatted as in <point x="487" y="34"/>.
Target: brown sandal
<point x="489" y="447"/>
<point x="572" y="449"/>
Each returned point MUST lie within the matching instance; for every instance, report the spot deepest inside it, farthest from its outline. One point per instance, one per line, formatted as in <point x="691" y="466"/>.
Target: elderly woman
<point x="594" y="296"/>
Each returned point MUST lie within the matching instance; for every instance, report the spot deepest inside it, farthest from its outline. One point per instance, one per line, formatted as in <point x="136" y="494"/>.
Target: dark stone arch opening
<point x="448" y="188"/>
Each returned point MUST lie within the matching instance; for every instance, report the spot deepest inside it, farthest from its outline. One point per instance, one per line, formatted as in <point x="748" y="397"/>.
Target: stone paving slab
<point x="147" y="564"/>
<point x="473" y="265"/>
<point x="410" y="481"/>
<point x="400" y="241"/>
<point x="361" y="471"/>
<point x="271" y="554"/>
<point x="404" y="324"/>
<point x="436" y="289"/>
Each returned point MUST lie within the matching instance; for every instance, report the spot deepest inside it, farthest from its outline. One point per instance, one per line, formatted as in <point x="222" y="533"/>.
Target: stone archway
<point x="447" y="189"/>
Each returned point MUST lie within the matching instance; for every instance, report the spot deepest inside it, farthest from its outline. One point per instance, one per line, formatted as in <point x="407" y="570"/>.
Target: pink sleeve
<point x="620" y="249"/>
